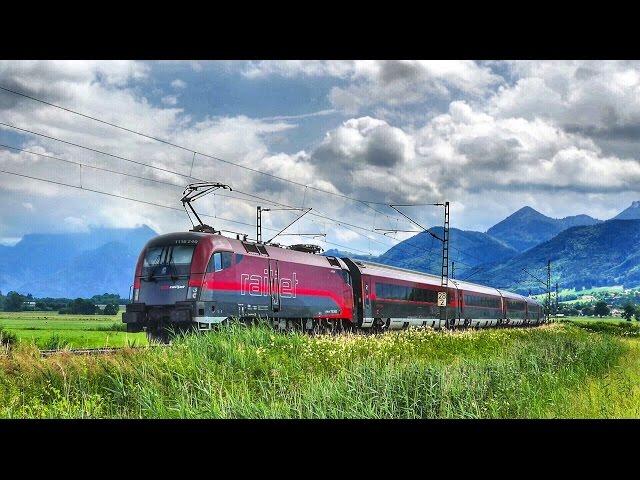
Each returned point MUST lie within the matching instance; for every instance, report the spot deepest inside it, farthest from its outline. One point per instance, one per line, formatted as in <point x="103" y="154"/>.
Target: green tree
<point x="587" y="311"/>
<point x="111" y="309"/>
<point x="601" y="309"/>
<point x="13" y="302"/>
<point x="629" y="311"/>
<point x="80" y="305"/>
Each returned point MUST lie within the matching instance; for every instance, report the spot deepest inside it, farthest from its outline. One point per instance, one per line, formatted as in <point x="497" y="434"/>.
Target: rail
<point x="94" y="351"/>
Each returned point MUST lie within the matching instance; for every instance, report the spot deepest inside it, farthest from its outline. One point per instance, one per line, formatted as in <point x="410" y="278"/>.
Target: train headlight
<point x="136" y="294"/>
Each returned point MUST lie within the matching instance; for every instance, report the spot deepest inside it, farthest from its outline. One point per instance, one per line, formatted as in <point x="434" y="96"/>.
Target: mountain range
<point x="527" y="228"/>
<point x="422" y="251"/>
<point x="607" y="253"/>
<point x="99" y="261"/>
<point x="584" y="251"/>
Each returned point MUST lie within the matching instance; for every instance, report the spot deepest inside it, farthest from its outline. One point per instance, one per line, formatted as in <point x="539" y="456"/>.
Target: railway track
<point x="92" y="351"/>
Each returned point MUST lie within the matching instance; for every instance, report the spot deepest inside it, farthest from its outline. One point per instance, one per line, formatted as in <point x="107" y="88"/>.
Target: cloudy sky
<point x="490" y="137"/>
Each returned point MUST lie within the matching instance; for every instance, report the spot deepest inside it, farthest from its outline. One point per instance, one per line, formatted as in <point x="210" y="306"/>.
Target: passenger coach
<point x="394" y="297"/>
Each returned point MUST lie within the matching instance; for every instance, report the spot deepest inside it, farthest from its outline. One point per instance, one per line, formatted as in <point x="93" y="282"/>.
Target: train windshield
<point x="176" y="257"/>
<point x="165" y="274"/>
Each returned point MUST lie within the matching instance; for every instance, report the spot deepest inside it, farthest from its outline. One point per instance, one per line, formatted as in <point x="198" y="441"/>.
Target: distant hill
<point x="333" y="252"/>
<point x="527" y="228"/>
<point x="630" y="213"/>
<point x="607" y="253"/>
<point x="73" y="264"/>
<point x="108" y="268"/>
<point x="423" y="252"/>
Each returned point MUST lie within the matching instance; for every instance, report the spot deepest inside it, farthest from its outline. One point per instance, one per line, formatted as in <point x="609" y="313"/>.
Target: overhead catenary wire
<point x="116" y="172"/>
<point x="316" y="213"/>
<point x="194" y="152"/>
<point x="181" y="147"/>
<point x="123" y="197"/>
<point x="146" y="202"/>
<point x="404" y="243"/>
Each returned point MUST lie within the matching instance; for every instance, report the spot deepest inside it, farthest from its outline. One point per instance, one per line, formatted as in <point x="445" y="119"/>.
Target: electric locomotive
<point x="197" y="280"/>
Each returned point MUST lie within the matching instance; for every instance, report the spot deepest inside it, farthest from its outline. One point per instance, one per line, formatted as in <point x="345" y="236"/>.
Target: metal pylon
<point x="444" y="280"/>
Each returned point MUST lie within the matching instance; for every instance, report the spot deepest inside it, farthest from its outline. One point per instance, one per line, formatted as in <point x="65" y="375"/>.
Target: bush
<point x="7" y="339"/>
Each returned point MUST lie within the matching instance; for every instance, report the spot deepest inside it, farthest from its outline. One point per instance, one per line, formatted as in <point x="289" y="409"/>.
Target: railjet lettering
<point x="172" y="287"/>
<point x="256" y="285"/>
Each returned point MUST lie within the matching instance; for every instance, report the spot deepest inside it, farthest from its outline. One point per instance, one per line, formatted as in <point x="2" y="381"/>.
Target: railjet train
<point x="196" y="280"/>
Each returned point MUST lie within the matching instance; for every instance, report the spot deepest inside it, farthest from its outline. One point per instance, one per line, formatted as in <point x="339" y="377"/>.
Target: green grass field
<point x="45" y="329"/>
<point x="564" y="370"/>
<point x="597" y="319"/>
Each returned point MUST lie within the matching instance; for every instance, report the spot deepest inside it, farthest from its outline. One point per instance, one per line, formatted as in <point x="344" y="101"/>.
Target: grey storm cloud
<point x="393" y="71"/>
<point x="380" y="150"/>
<point x="53" y="94"/>
<point x="491" y="151"/>
<point x="384" y="149"/>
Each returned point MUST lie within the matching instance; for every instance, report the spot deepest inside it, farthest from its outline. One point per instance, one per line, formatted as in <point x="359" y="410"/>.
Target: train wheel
<point x="379" y="326"/>
<point x="317" y="328"/>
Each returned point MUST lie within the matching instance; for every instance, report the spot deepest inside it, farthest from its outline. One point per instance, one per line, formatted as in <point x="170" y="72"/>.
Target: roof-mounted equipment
<point x="306" y="248"/>
<point x="191" y="193"/>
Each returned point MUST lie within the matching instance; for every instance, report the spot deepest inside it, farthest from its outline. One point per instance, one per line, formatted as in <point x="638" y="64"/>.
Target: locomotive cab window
<point x="219" y="261"/>
<point x="154" y="256"/>
<point x="181" y="254"/>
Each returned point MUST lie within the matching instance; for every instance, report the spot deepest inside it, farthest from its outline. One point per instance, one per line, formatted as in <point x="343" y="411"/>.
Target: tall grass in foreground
<point x="244" y="372"/>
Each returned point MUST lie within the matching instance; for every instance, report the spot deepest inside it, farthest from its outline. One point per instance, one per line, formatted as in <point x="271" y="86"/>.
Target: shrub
<point x="7" y="338"/>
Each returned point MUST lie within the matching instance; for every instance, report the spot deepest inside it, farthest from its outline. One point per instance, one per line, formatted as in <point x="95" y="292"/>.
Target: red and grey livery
<point x="193" y="279"/>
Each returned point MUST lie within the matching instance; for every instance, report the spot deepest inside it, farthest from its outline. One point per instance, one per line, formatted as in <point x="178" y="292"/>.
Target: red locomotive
<point x="197" y="280"/>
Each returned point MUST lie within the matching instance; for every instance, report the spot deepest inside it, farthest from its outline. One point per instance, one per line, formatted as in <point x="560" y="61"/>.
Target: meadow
<point x="52" y="330"/>
<point x="562" y="370"/>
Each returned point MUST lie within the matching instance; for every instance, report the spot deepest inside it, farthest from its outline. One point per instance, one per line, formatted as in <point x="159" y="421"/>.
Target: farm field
<point x="563" y="370"/>
<point x="52" y="330"/>
<point x="588" y="320"/>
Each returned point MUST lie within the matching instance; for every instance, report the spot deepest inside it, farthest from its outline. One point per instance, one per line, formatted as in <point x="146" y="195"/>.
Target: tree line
<point x="16" y="302"/>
